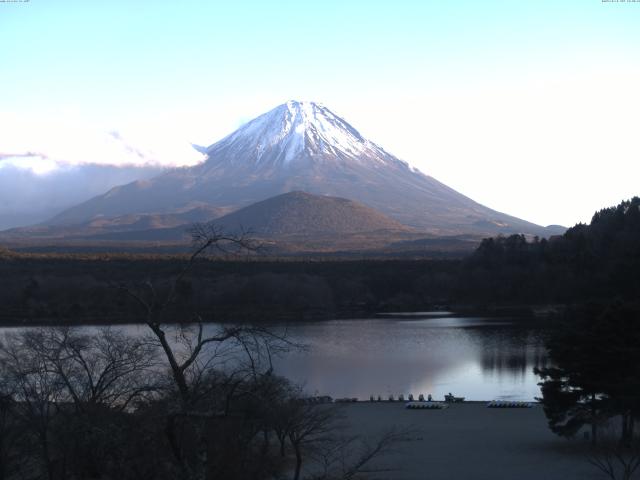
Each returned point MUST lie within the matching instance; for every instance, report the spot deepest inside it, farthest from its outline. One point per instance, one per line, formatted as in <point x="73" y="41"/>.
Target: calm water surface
<point x="477" y="358"/>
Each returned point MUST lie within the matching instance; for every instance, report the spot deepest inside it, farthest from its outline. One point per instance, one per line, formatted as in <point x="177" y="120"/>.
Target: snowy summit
<point x="294" y="131"/>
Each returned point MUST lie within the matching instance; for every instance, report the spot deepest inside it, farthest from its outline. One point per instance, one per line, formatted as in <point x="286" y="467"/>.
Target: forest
<point x="595" y="262"/>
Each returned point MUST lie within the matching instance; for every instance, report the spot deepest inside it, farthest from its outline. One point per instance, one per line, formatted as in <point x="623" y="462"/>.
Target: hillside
<point x="294" y="222"/>
<point x="122" y="225"/>
<point x="300" y="213"/>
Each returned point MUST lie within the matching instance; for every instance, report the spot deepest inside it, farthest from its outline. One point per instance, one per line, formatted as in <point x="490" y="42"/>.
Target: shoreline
<point x="534" y="315"/>
<point x="435" y="400"/>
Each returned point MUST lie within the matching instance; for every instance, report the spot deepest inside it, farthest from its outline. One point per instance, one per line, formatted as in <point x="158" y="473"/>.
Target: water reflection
<point x="472" y="357"/>
<point x="511" y="353"/>
<point x="478" y="358"/>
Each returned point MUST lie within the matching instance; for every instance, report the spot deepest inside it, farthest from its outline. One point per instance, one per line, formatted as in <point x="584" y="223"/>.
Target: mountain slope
<point x="304" y="146"/>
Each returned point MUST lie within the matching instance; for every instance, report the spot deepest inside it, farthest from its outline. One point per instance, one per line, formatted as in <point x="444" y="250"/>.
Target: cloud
<point x="28" y="197"/>
<point x="44" y="143"/>
<point x="50" y="162"/>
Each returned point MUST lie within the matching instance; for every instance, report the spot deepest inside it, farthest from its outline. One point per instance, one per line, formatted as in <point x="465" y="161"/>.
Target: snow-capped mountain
<point x="304" y="146"/>
<point x="294" y="132"/>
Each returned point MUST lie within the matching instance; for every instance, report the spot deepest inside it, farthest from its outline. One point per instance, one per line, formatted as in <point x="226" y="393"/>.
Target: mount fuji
<point x="302" y="146"/>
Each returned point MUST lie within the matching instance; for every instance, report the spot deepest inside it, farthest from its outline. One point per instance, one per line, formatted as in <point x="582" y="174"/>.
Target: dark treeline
<point x="599" y="261"/>
<point x="589" y="262"/>
<point x="79" y="289"/>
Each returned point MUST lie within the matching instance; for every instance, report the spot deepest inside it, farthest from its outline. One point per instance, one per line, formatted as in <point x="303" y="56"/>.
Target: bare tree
<point x="11" y="435"/>
<point x="37" y="392"/>
<point x="107" y="368"/>
<point x="618" y="460"/>
<point x="352" y="457"/>
<point x="209" y="366"/>
<point x="310" y="425"/>
<point x="316" y="434"/>
<point x="183" y="354"/>
<point x="65" y="387"/>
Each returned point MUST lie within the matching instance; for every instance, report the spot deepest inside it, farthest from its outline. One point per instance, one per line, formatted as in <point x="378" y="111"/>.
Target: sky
<point x="528" y="107"/>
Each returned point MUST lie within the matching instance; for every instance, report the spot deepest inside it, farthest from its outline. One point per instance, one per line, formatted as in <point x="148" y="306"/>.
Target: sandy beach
<point x="471" y="441"/>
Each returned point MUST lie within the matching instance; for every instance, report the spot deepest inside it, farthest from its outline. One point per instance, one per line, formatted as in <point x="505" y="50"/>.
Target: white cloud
<point x="45" y="143"/>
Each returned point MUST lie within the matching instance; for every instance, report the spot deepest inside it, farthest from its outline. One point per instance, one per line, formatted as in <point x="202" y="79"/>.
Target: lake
<point x="478" y="358"/>
<point x="429" y="353"/>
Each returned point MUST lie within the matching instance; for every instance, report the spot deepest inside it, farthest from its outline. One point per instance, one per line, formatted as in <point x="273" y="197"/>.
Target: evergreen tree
<point x="596" y="371"/>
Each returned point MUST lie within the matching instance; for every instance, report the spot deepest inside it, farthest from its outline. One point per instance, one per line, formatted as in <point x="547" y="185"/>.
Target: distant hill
<point x="119" y="226"/>
<point x="296" y="221"/>
<point x="293" y="222"/>
<point x="300" y="213"/>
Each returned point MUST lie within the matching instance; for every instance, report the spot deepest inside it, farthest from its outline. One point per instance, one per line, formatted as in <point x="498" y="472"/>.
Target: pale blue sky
<point x="506" y="101"/>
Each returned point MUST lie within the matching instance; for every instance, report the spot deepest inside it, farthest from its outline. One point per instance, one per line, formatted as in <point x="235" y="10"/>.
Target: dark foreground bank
<point x="471" y="441"/>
